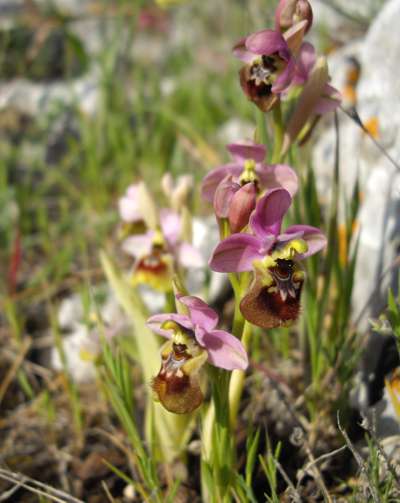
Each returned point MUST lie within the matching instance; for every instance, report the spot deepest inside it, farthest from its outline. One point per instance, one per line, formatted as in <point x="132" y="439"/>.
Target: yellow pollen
<point x="249" y="172"/>
<point x="158" y="238"/>
<point x="290" y="250"/>
<point x="170" y="325"/>
<point x="178" y="336"/>
<point x="261" y="269"/>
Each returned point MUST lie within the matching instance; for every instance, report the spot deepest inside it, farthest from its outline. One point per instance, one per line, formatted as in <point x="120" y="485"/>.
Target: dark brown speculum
<point x="277" y="304"/>
<point x="152" y="263"/>
<point x="256" y="81"/>
<point x="178" y="392"/>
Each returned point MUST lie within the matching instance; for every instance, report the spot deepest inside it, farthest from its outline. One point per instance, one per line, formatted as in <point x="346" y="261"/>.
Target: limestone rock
<point x="378" y="99"/>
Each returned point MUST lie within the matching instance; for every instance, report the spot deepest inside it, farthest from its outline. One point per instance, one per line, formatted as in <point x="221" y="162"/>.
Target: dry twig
<point x="359" y="460"/>
<point x="37" y="487"/>
<point x="14" y="367"/>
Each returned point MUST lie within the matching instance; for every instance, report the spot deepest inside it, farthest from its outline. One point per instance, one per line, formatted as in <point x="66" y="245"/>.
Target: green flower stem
<point x="238" y="320"/>
<point x="222" y="454"/>
<point x="261" y="134"/>
<point x="170" y="301"/>
<point x="237" y="379"/>
<point x="278" y="134"/>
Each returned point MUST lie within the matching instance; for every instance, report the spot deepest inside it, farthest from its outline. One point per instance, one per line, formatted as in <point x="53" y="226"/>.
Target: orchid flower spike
<point x="273" y="298"/>
<point x="193" y="340"/>
<point x="233" y="188"/>
<point x="159" y="252"/>
<point x="269" y="58"/>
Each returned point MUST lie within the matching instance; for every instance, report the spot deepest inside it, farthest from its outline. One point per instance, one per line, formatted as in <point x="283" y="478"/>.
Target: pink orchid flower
<point x="193" y="339"/>
<point x="269" y="63"/>
<point x="233" y="188"/>
<point x="273" y="297"/>
<point x="158" y="252"/>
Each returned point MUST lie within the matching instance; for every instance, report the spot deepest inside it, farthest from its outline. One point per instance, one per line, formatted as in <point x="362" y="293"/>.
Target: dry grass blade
<point x="359" y="460"/>
<point x="107" y="491"/>
<point x="37" y="487"/>
<point x="293" y="491"/>
<point x="317" y="474"/>
<point x="7" y="494"/>
<point x="14" y="367"/>
<point x="353" y="114"/>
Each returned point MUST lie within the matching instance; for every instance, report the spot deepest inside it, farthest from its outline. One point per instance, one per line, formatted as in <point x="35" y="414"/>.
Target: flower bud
<point x="242" y="204"/>
<point x="291" y="12"/>
<point x="223" y="196"/>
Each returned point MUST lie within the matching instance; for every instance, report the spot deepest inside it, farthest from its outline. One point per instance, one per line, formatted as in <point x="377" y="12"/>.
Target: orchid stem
<point x="236" y="384"/>
<point x="278" y="134"/>
<point x="169" y="302"/>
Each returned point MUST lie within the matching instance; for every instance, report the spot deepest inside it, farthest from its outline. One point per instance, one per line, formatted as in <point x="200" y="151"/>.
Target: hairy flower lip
<point x="176" y="385"/>
<point x="267" y="306"/>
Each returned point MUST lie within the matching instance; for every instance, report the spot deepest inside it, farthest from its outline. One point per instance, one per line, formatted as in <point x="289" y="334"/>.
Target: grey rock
<point x="36" y="98"/>
<point x="378" y="95"/>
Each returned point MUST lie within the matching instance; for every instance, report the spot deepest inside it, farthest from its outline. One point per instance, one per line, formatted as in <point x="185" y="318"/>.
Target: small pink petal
<point x="247" y="149"/>
<point x="155" y="322"/>
<point x="329" y="101"/>
<point x="305" y="63"/>
<point x="224" y="195"/>
<point x="128" y="205"/>
<point x="285" y="78"/>
<point x="138" y="246"/>
<point x="287" y="236"/>
<point x="170" y="222"/>
<point x="265" y="42"/>
<point x="236" y="253"/>
<point x="189" y="256"/>
<point x="213" y="179"/>
<point x="201" y="313"/>
<point x="278" y="176"/>
<point x="269" y="212"/>
<point x="313" y="236"/>
<point x="240" y="51"/>
<point x="224" y="349"/>
<point x="294" y="36"/>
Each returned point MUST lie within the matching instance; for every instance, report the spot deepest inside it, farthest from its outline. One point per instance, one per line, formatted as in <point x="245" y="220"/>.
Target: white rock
<point x="154" y="301"/>
<point x="81" y="344"/>
<point x="67" y="7"/>
<point x="9" y="11"/>
<point x="234" y="129"/>
<point x="76" y="344"/>
<point x="70" y="313"/>
<point x="331" y="22"/>
<point x="378" y="95"/>
<point x="36" y="98"/>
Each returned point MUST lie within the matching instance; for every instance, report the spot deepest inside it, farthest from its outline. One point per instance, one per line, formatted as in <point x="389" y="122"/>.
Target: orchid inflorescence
<point x="250" y="196"/>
